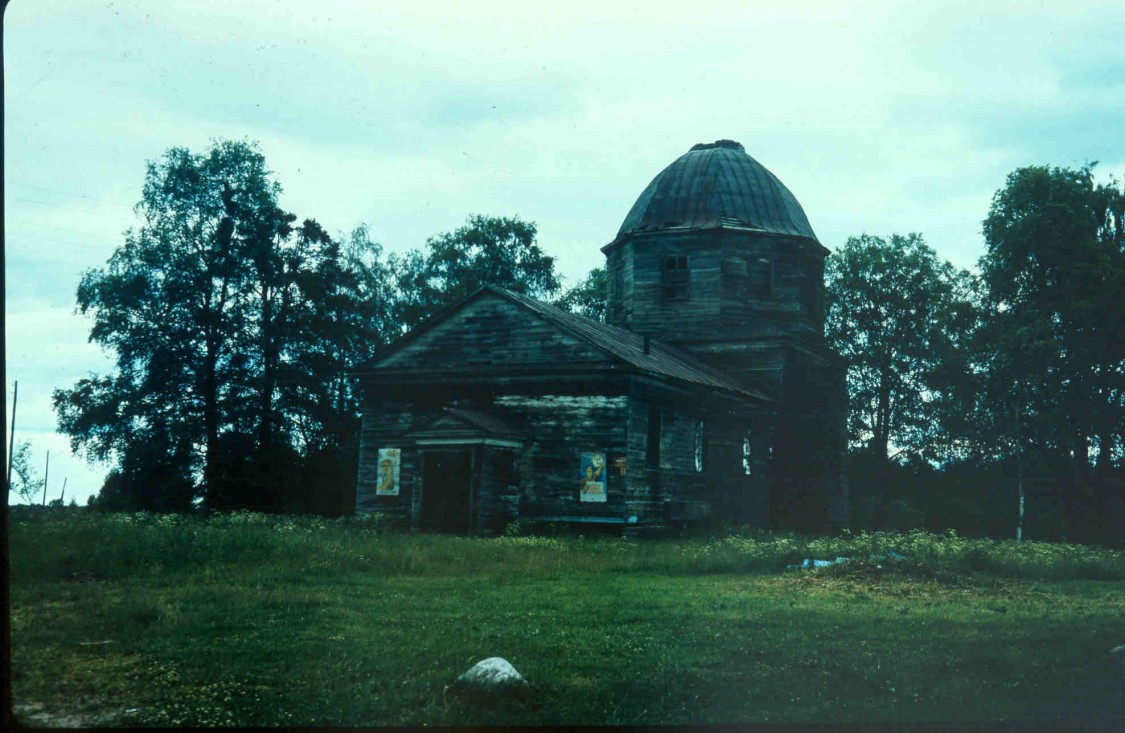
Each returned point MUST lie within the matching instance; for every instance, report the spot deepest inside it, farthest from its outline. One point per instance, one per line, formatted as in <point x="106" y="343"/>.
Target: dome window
<point x="764" y="277"/>
<point x="674" y="278"/>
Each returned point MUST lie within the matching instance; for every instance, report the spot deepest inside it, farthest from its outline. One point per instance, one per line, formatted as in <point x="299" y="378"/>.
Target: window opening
<point x="700" y="445"/>
<point x="509" y="470"/>
<point x="764" y="274"/>
<point x="674" y="278"/>
<point x="747" y="465"/>
<point x="617" y="294"/>
<point x="652" y="448"/>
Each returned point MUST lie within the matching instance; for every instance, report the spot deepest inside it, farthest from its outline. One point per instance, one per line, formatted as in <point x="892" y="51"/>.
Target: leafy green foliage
<point x="900" y="316"/>
<point x="233" y="330"/>
<point x="488" y="250"/>
<point x="1050" y="351"/>
<point x="1054" y="273"/>
<point x="170" y="305"/>
<point x="588" y="296"/>
<point x="25" y="482"/>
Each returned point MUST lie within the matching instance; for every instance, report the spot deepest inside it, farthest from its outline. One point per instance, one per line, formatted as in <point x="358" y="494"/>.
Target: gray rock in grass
<point x="1117" y="654"/>
<point x="491" y="675"/>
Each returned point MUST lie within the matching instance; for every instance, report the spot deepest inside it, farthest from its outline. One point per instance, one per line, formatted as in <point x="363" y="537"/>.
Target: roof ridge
<point x="619" y="343"/>
<point x="629" y="346"/>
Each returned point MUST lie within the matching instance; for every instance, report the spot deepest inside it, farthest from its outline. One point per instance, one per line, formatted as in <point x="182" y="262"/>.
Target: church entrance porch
<point x="447" y="490"/>
<point x="468" y="460"/>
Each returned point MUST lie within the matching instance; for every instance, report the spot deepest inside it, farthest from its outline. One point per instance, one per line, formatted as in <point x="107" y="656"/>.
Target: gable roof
<point x="620" y="344"/>
<point x="488" y="423"/>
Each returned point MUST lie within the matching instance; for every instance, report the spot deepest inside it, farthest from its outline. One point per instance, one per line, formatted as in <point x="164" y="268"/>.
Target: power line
<point x="62" y="229"/>
<point x="86" y="210"/>
<point x="50" y="240"/>
<point x="68" y="193"/>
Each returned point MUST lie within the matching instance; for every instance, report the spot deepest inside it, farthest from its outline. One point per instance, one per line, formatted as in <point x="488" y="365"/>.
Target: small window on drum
<point x="674" y="278"/>
<point x="763" y="277"/>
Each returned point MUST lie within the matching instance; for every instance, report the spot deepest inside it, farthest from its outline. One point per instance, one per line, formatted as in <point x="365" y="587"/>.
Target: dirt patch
<point x="906" y="579"/>
<point x="38" y="715"/>
<point x="85" y="576"/>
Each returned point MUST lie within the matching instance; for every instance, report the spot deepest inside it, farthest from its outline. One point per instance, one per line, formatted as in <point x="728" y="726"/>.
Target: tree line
<point x="988" y="400"/>
<point x="234" y="327"/>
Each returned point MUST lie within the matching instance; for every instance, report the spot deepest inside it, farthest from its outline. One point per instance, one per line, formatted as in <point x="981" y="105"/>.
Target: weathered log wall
<point x="565" y="427"/>
<point x="811" y="492"/>
<point x="495" y="358"/>
<point x="679" y="490"/>
<point x="740" y="282"/>
<point x="542" y="478"/>
<point x="487" y="332"/>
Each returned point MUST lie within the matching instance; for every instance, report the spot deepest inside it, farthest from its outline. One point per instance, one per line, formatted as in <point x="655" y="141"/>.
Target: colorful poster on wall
<point x="592" y="477"/>
<point x="388" y="472"/>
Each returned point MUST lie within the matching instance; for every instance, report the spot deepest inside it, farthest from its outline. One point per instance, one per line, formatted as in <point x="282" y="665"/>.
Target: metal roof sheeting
<point x="629" y="347"/>
<point x="661" y="359"/>
<point x="717" y="184"/>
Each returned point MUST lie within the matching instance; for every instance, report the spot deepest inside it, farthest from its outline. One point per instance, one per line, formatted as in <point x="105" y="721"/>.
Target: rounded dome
<point x="717" y="184"/>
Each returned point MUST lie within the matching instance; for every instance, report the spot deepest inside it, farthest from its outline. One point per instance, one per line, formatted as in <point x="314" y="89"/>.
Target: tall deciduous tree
<point x="170" y="305"/>
<point x="487" y="250"/>
<point x="343" y="300"/>
<point x="1054" y="274"/>
<point x="899" y="315"/>
<point x="588" y="296"/>
<point x="233" y="330"/>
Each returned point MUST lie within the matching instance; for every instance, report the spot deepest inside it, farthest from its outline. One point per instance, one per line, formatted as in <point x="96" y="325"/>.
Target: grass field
<point x="254" y="620"/>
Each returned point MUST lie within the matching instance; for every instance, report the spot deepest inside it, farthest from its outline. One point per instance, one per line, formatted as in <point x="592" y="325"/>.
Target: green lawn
<point x="251" y="620"/>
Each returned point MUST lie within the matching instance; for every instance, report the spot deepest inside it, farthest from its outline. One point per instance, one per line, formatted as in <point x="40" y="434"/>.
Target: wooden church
<point x="709" y="396"/>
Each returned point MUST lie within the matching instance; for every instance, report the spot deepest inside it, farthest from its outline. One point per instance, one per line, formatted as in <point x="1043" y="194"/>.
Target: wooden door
<point x="446" y="490"/>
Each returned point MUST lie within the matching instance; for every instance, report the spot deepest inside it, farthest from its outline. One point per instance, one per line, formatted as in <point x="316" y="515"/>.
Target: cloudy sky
<point x="409" y="116"/>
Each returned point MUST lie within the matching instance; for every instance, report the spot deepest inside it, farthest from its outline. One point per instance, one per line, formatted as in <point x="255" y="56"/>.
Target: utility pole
<point x="12" y="434"/>
<point x="46" y="473"/>
<point x="1019" y="467"/>
<point x="62" y="496"/>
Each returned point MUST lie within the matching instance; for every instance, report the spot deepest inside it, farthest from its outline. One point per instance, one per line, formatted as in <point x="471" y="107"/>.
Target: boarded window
<point x="747" y="465"/>
<point x="508" y="469"/>
<point x="675" y="278"/>
<point x="652" y="447"/>
<point x="812" y="292"/>
<point x="763" y="270"/>
<point x="617" y="294"/>
<point x="700" y="445"/>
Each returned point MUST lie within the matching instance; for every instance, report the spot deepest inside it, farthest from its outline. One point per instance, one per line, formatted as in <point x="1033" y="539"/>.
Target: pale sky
<point x="409" y="116"/>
